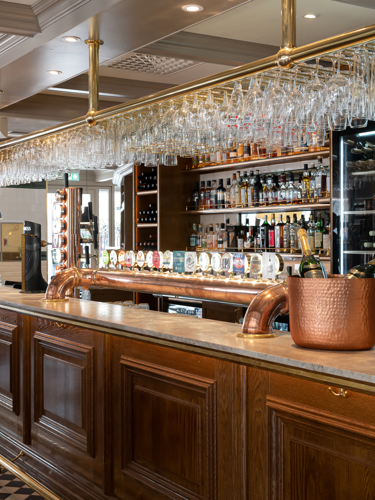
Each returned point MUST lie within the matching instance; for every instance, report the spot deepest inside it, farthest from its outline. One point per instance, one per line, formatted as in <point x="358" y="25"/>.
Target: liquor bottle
<point x="220" y="238"/>
<point x="215" y="237"/>
<point x="237" y="190"/>
<point x="291" y="191"/>
<point x="202" y="195"/>
<point x="257" y="189"/>
<point x="195" y="196"/>
<point x="204" y="240"/>
<point x="327" y="237"/>
<point x="312" y="185"/>
<point x="250" y="190"/>
<point x="293" y="235"/>
<point x="227" y="194"/>
<point x="213" y="195"/>
<point x="311" y="232"/>
<point x="198" y="237"/>
<point x="264" y="234"/>
<point x="328" y="181"/>
<point x="233" y="192"/>
<point x="305" y="186"/>
<point x="310" y="266"/>
<point x="264" y="199"/>
<point x="209" y="238"/>
<point x="319" y="230"/>
<point x="193" y="238"/>
<point x="241" y="240"/>
<point x="271" y="235"/>
<point x="220" y="195"/>
<point x="287" y="234"/>
<point x="240" y="150"/>
<point x="246" y="150"/>
<point x="299" y="189"/>
<point x="361" y="271"/>
<point x="279" y="235"/>
<point x="207" y="196"/>
<point x="274" y="190"/>
<point x="281" y="195"/>
<point x="244" y="186"/>
<point x="225" y="235"/>
<point x="321" y="180"/>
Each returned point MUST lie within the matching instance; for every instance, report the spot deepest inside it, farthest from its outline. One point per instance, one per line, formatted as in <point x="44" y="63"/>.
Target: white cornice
<point x="51" y="11"/>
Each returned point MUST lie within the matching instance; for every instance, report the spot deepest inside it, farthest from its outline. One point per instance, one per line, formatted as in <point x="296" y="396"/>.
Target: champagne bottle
<point x="362" y="271"/>
<point x="310" y="266"/>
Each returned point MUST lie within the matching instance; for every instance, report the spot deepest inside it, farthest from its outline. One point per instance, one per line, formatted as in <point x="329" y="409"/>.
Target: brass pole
<point x="35" y="485"/>
<point x="297" y="55"/>
<point x="288" y="33"/>
<point x="94" y="46"/>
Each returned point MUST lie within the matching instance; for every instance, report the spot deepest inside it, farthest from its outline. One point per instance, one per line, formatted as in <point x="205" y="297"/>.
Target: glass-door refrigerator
<point x="353" y="198"/>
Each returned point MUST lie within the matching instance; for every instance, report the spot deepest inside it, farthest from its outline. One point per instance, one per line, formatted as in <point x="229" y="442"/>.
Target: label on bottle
<point x="240" y="242"/>
<point x="292" y="238"/>
<point x="244" y="196"/>
<point x="232" y="154"/>
<point x="314" y="273"/>
<point x="311" y="240"/>
<point x="220" y="243"/>
<point x="190" y="262"/>
<point x="286" y="237"/>
<point x="218" y="157"/>
<point x="271" y="238"/>
<point x="214" y="240"/>
<point x="277" y="237"/>
<point x="318" y="239"/>
<point x="192" y="240"/>
<point x="224" y="156"/>
<point x="246" y="151"/>
<point x="212" y="158"/>
<point x="326" y="241"/>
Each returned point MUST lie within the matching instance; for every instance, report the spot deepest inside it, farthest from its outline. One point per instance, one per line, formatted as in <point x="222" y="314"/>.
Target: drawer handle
<point x="341" y="394"/>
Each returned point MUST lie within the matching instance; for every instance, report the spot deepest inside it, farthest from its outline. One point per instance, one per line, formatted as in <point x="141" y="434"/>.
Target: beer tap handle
<point x="95" y="233"/>
<point x="87" y="256"/>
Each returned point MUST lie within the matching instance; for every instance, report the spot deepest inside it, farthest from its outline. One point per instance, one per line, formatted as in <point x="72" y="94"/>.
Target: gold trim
<point x="296" y="55"/>
<point x="35" y="485"/>
<point x="257" y="335"/>
<point x="53" y="300"/>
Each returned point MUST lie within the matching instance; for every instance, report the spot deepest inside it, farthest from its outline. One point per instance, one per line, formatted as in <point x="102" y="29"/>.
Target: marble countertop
<point x="207" y="336"/>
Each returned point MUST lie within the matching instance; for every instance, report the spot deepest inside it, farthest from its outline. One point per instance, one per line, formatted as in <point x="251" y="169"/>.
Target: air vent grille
<point x="156" y="65"/>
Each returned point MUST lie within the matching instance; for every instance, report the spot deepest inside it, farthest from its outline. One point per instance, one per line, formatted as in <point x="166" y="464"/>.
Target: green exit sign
<point x="74" y="176"/>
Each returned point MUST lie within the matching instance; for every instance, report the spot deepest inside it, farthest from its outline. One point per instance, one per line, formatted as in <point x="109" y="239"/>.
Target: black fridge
<point x="353" y="198"/>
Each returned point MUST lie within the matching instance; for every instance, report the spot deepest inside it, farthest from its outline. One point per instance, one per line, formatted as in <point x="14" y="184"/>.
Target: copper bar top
<point x="213" y="338"/>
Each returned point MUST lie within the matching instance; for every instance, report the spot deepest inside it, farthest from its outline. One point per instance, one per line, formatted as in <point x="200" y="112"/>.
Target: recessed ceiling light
<point x="311" y="16"/>
<point x="192" y="8"/>
<point x="54" y="72"/>
<point x="71" y="39"/>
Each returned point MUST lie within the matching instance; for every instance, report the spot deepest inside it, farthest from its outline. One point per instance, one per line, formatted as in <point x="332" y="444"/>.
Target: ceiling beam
<point x="209" y="49"/>
<point x="18" y="19"/>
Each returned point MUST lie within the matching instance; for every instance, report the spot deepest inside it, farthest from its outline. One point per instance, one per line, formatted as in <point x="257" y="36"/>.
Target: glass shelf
<point x="359" y="212"/>
<point x="272" y="208"/>
<point x="146" y="224"/>
<point x="144" y="193"/>
<point x="359" y="252"/>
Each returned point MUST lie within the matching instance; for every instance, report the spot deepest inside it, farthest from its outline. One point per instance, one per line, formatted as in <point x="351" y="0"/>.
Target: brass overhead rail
<point x="288" y="56"/>
<point x="29" y="481"/>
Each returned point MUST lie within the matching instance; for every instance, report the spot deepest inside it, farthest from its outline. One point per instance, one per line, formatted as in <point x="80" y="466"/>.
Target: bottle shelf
<point x="261" y="162"/>
<point x="271" y="208"/>
<point x="146" y="224"/>
<point x="144" y="193"/>
<point x="365" y="172"/>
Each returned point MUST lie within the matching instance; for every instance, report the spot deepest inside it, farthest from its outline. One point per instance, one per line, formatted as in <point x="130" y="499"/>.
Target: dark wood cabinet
<point x="105" y="416"/>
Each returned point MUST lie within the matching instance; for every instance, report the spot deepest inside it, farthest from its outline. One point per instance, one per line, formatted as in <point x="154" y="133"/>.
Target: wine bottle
<point x="310" y="266"/>
<point x="362" y="271"/>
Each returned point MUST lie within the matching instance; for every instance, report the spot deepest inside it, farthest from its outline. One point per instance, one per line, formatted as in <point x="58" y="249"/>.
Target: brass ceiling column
<point x="94" y="46"/>
<point x="288" y="33"/>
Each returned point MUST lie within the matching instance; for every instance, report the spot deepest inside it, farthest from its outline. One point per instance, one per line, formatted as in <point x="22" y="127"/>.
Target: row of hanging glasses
<point x="276" y="112"/>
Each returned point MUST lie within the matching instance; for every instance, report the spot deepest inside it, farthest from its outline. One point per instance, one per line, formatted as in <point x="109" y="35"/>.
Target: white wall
<point x="19" y="204"/>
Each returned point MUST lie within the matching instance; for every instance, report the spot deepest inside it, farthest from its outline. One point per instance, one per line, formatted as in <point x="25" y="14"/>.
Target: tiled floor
<point x="11" y="488"/>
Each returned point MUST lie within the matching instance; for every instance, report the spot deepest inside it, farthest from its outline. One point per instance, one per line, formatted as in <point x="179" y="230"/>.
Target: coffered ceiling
<point x="148" y="46"/>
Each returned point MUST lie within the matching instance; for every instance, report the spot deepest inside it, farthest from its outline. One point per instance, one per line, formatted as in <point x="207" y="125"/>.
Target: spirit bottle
<point x="291" y="190"/>
<point x="244" y="186"/>
<point x="362" y="271"/>
<point x="250" y="190"/>
<point x="193" y="238"/>
<point x="311" y="232"/>
<point x="287" y="234"/>
<point x="327" y="237"/>
<point x="227" y="194"/>
<point x="293" y="235"/>
<point x="237" y="190"/>
<point x="202" y="195"/>
<point x="282" y="191"/>
<point x="198" y="237"/>
<point x="319" y="230"/>
<point x="213" y="195"/>
<point x="195" y="196"/>
<point x="233" y="192"/>
<point x="310" y="266"/>
<point x="264" y="234"/>
<point x="257" y="189"/>
<point x="207" y="196"/>
<point x="215" y="237"/>
<point x="220" y="195"/>
<point x="271" y="235"/>
<point x="220" y="237"/>
<point x="305" y="185"/>
<point x="279" y="235"/>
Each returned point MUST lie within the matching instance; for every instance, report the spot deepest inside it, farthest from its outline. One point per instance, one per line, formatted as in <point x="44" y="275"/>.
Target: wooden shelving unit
<point x="259" y="163"/>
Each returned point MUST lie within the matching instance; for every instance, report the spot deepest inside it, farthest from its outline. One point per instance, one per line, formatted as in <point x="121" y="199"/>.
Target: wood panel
<point x="64" y="388"/>
<point x="316" y="455"/>
<point x="8" y="317"/>
<point x="168" y="429"/>
<point x="9" y="368"/>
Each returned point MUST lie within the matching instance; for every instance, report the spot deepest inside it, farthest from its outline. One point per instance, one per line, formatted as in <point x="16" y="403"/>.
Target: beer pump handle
<point x="95" y="233"/>
<point x="90" y="211"/>
<point x="66" y="180"/>
<point x="87" y="256"/>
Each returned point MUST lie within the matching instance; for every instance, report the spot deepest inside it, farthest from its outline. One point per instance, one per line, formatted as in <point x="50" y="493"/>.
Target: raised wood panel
<point x="317" y="455"/>
<point x="168" y="430"/>
<point x="9" y="368"/>
<point x="8" y="317"/>
<point x="64" y="391"/>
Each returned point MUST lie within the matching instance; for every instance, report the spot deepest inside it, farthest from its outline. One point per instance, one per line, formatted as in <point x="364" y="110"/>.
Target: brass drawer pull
<point x="342" y="392"/>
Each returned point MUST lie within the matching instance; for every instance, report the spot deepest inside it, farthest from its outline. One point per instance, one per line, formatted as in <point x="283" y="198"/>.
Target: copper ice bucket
<point x="332" y="313"/>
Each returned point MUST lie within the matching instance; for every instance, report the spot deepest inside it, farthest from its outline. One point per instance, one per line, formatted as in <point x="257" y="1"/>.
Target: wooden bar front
<point x="104" y="415"/>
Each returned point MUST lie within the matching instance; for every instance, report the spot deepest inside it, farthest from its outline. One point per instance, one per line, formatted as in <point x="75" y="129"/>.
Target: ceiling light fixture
<point x="71" y="39"/>
<point x="311" y="16"/>
<point x="192" y="8"/>
<point x="54" y="72"/>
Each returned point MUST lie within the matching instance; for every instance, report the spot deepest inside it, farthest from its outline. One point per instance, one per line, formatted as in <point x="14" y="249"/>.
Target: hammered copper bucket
<point x="334" y="313"/>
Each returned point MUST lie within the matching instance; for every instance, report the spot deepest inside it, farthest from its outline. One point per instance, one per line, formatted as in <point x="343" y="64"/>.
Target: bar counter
<point x="111" y="402"/>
